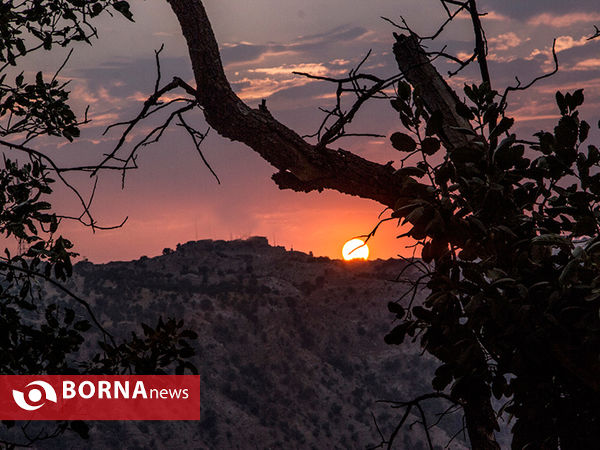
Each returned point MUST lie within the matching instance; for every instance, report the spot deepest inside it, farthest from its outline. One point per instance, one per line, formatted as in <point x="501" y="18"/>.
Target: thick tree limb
<point x="435" y="92"/>
<point x="302" y="166"/>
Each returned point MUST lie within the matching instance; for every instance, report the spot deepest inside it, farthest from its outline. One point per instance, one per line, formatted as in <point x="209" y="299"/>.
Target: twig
<point x="519" y="87"/>
<point x="86" y="211"/>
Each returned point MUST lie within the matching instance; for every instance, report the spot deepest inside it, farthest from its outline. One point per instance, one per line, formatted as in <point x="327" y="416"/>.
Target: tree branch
<point x="435" y="92"/>
<point x="302" y="166"/>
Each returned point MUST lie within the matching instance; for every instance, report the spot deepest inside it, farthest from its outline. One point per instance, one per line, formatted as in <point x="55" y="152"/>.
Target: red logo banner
<point x="99" y="397"/>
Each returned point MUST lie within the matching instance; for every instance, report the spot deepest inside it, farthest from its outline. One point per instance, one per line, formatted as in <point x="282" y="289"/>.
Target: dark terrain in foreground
<point x="290" y="348"/>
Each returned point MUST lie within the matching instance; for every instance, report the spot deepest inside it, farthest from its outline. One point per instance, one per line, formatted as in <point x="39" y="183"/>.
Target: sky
<point x="172" y="198"/>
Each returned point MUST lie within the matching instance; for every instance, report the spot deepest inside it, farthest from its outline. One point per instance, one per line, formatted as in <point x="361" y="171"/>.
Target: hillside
<point x="290" y="347"/>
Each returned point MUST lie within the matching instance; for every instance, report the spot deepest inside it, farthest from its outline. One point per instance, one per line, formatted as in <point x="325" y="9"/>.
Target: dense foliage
<point x="509" y="231"/>
<point x="38" y="336"/>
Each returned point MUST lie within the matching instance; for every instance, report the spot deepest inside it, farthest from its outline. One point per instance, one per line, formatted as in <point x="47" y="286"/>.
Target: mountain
<point x="290" y="347"/>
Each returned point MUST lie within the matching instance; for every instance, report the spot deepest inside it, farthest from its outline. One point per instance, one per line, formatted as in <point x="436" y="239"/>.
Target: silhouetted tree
<point x="508" y="227"/>
<point x="38" y="336"/>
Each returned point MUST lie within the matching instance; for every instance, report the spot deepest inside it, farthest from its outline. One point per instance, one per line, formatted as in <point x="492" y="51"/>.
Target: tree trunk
<point x="438" y="96"/>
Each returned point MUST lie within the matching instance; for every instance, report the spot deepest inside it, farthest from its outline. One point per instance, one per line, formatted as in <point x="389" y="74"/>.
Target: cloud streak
<point x="563" y="20"/>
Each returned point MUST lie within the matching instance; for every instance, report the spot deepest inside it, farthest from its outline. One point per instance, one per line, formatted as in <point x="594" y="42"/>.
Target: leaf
<point x="403" y="142"/>
<point x="189" y="334"/>
<point x="404" y="90"/>
<point x="505" y="124"/>
<point x="584" y="129"/>
<point x="546" y="142"/>
<point x="567" y="131"/>
<point x="568" y="270"/>
<point x="560" y="101"/>
<point x="503" y="281"/>
<point x="471" y="92"/>
<point x="21" y="46"/>
<point x="396" y="336"/>
<point x="81" y="428"/>
<point x="426" y="253"/>
<point x="576" y="99"/>
<point x="39" y="79"/>
<point x="434" y="124"/>
<point x="396" y="104"/>
<point x="82" y="325"/>
<point x="430" y="145"/>
<point x="96" y="9"/>
<point x="593" y="155"/>
<point x="410" y="171"/>
<point x="148" y="331"/>
<point x="463" y="155"/>
<point x="69" y="316"/>
<point x="123" y="8"/>
<point x="506" y="230"/>
<point x="422" y="313"/>
<point x="415" y="215"/>
<point x="397" y="309"/>
<point x="464" y="111"/>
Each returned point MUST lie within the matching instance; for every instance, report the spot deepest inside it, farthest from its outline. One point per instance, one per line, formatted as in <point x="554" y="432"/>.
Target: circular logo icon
<point x="35" y="396"/>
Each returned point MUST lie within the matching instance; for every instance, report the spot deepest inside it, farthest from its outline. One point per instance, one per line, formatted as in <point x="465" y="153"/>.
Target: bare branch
<point x="520" y="87"/>
<point x="198" y="138"/>
<point x="363" y="94"/>
<point x="146" y="111"/>
<point x="86" y="213"/>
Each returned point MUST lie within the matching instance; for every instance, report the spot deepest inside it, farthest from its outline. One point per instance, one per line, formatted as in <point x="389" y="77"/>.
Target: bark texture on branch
<point x="302" y="166"/>
<point x="435" y="92"/>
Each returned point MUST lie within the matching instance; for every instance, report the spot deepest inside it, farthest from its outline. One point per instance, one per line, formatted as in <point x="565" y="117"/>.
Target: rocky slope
<point x="290" y="347"/>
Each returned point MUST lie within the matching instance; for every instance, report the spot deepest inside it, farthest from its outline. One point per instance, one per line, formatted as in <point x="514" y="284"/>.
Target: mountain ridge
<point x="290" y="347"/>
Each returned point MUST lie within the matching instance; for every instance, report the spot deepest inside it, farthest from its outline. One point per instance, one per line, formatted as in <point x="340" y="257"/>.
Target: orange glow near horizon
<point x="355" y="249"/>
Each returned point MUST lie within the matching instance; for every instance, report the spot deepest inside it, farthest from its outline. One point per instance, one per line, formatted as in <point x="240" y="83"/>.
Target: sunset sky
<point x="173" y="198"/>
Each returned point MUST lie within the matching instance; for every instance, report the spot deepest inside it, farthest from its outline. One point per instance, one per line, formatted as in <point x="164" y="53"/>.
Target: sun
<point x="355" y="249"/>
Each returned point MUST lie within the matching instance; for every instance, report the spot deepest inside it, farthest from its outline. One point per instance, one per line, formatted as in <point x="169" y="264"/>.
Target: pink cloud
<point x="562" y="43"/>
<point x="588" y="85"/>
<point x="491" y="15"/>
<point x="587" y="64"/>
<point x="312" y="68"/>
<point x="505" y="41"/>
<point x="567" y="42"/>
<point x="564" y="20"/>
<point x="271" y="80"/>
